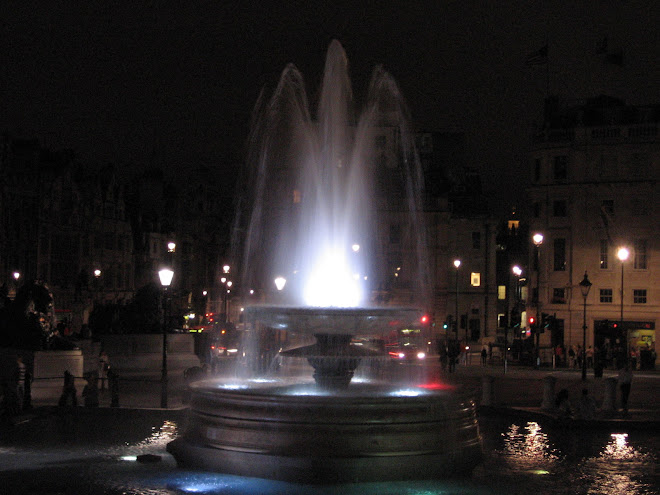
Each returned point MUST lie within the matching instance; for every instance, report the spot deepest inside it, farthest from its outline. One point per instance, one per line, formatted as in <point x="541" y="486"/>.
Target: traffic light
<point x="545" y="320"/>
<point x="515" y="317"/>
<point x="532" y="321"/>
<point x="445" y="325"/>
<point x="424" y="319"/>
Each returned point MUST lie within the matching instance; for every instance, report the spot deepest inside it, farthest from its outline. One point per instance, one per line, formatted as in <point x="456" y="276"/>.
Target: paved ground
<point x="520" y="388"/>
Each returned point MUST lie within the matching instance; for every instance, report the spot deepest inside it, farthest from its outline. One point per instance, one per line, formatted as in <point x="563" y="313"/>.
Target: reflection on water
<point x="530" y="443"/>
<point x="532" y="459"/>
<point x="520" y="458"/>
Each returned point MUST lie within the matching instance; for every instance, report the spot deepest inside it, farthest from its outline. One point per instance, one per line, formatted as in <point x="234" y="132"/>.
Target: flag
<point x="539" y="57"/>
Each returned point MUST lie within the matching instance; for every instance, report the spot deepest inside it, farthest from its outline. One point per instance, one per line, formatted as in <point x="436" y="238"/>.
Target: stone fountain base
<point x="369" y="434"/>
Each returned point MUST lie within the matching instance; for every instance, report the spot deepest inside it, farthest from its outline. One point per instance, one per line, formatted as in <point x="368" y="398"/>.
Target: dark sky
<point x="173" y="83"/>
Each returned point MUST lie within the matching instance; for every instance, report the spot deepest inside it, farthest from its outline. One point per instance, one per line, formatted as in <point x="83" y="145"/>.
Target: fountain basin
<point x="299" y="433"/>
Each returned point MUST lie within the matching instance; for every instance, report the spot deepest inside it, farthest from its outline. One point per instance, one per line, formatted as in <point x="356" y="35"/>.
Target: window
<point x="537" y="170"/>
<point x="559" y="295"/>
<point x="476" y="240"/>
<point x="560" y="167"/>
<point x="604" y="251"/>
<point x="559" y="208"/>
<point x="639" y="261"/>
<point x="639" y="296"/>
<point x="501" y="292"/>
<point x="475" y="279"/>
<point x="560" y="255"/>
<point x="606" y="295"/>
<point x="607" y="205"/>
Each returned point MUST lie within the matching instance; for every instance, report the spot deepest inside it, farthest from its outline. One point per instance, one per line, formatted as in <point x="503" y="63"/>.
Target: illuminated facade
<point x="594" y="188"/>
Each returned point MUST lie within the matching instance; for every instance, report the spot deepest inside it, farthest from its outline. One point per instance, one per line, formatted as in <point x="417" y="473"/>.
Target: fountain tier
<point x="366" y="434"/>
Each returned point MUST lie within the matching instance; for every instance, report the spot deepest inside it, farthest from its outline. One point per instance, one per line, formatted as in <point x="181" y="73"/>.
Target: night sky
<point x="173" y="84"/>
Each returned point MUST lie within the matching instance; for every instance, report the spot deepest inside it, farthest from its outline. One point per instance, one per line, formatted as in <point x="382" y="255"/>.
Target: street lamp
<point x="517" y="271"/>
<point x="585" y="286"/>
<point x="457" y="264"/>
<point x="623" y="253"/>
<point x="538" y="240"/>
<point x="280" y="282"/>
<point x="165" y="276"/>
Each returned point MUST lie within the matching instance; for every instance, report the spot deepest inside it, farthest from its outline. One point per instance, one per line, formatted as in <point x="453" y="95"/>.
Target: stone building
<point x="594" y="188"/>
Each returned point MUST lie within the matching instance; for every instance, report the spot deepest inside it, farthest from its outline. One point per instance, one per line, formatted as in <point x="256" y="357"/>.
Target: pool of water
<point x="97" y="453"/>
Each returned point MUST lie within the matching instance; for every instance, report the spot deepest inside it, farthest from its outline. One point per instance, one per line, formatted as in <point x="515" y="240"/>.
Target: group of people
<point x="102" y="379"/>
<point x="585" y="407"/>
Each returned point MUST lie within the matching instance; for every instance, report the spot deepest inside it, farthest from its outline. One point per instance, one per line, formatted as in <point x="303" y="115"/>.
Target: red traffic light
<point x="424" y="319"/>
<point x="532" y="320"/>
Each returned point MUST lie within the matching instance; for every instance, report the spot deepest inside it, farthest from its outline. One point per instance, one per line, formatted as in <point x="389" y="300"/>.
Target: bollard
<point x="609" y="399"/>
<point x="548" y="393"/>
<point x="487" y="391"/>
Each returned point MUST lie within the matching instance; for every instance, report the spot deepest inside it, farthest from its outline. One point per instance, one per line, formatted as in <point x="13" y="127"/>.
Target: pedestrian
<point x="90" y="392"/>
<point x="625" y="383"/>
<point x="563" y="404"/>
<point x="20" y="382"/>
<point x="444" y="356"/>
<point x="590" y="357"/>
<point x="586" y="406"/>
<point x="571" y="357"/>
<point x="113" y="382"/>
<point x="484" y="356"/>
<point x="104" y="366"/>
<point x="68" y="390"/>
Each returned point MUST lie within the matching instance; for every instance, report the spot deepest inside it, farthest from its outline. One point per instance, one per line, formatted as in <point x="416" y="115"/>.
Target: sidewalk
<point x="520" y="390"/>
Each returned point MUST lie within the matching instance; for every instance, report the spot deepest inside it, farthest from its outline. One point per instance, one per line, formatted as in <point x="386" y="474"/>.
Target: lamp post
<point x="585" y="286"/>
<point x="457" y="264"/>
<point x="517" y="271"/>
<point x="538" y="240"/>
<point x="226" y="283"/>
<point x="227" y="292"/>
<point x="165" y="276"/>
<point x="623" y="253"/>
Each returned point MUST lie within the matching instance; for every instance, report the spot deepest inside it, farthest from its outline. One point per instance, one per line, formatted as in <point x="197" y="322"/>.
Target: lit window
<point x="475" y="279"/>
<point x="501" y="292"/>
<point x="606" y="295"/>
<point x="639" y="296"/>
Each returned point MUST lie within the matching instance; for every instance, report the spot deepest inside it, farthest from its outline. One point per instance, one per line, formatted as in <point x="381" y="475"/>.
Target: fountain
<point x="319" y="190"/>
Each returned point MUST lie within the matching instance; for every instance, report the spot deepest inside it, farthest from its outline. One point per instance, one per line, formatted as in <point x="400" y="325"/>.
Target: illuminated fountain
<point x="318" y="190"/>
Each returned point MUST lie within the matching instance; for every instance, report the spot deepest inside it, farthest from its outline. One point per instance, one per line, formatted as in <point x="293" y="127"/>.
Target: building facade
<point x="594" y="189"/>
